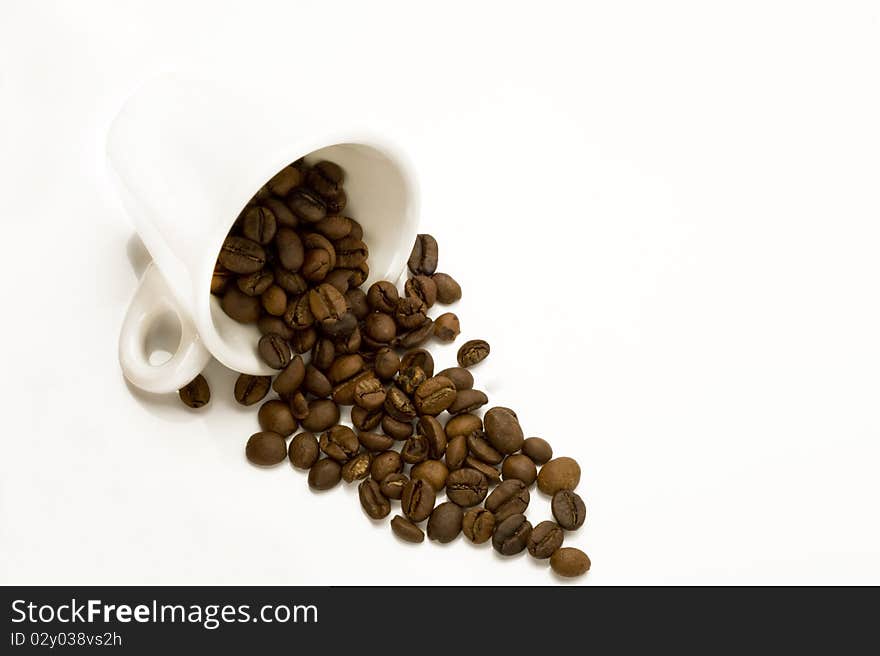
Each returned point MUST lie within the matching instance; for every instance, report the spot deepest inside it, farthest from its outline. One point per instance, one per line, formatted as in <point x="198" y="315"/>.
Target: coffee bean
<point x="303" y="451"/>
<point x="478" y="524"/>
<point x="380" y="327"/>
<point x="369" y="393"/>
<point x="434" y="472"/>
<point x="423" y="259"/>
<point x="422" y="288"/>
<point x="254" y="284"/>
<point x="290" y="281"/>
<point x="337" y="203"/>
<point x="383" y="297"/>
<point x="448" y="291"/>
<point x="434" y="395"/>
<point x="326" y="302"/>
<point x="385" y="463"/>
<point x="520" y="467"/>
<point x="434" y="434"/>
<point x="307" y="205"/>
<point x="339" y="279"/>
<point x="325" y="178"/>
<point x="416" y="449"/>
<point x="324" y="474"/>
<point x="283" y="216"/>
<point x="274" y="300"/>
<point x="285" y="180"/>
<point x="316" y="265"/>
<point x="357" y="302"/>
<point x="375" y="441"/>
<point x="340" y="329"/>
<point x="472" y="352"/>
<point x="240" y="306"/>
<point x="456" y="452"/>
<point x="492" y="475"/>
<point x="275" y="416"/>
<point x="373" y="501"/>
<point x="350" y="252"/>
<point x="196" y="393"/>
<point x="393" y="484"/>
<point x="323" y="354"/>
<point x="316" y="383"/>
<point x="387" y="364"/>
<point x="345" y="367"/>
<point x="463" y="424"/>
<point x="347" y="344"/>
<point x="406" y="530"/>
<point x="289" y="380"/>
<point x="468" y="401"/>
<point x="398" y="404"/>
<point x="537" y="449"/>
<point x="460" y="377"/>
<point x="418" y="358"/>
<point x="323" y="414"/>
<point x="298" y="314"/>
<point x="303" y="340"/>
<point x="266" y="448"/>
<point x="570" y="562"/>
<point x="503" y="429"/>
<point x="410" y="313"/>
<point x="241" y="255"/>
<point x="511" y="535"/>
<point x="299" y="406"/>
<point x="334" y="227"/>
<point x="343" y="394"/>
<point x="444" y="525"/>
<point x="509" y="498"/>
<point x="259" y="225"/>
<point x="274" y="351"/>
<point x="559" y="474"/>
<point x="268" y="324"/>
<point x="568" y="509"/>
<point x="416" y="337"/>
<point x="251" y="389"/>
<point x="479" y="447"/>
<point x="409" y="379"/>
<point x="417" y="500"/>
<point x="447" y="327"/>
<point x="466" y="487"/>
<point x="340" y="443"/>
<point x="220" y="279"/>
<point x="545" y="539"/>
<point x="399" y="430"/>
<point x="366" y="420"/>
<point x="357" y="230"/>
<point x="359" y="275"/>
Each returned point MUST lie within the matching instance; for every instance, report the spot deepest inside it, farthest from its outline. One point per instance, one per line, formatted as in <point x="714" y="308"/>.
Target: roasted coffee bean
<point x="274" y="300"/>
<point x="422" y="288"/>
<point x="357" y="230"/>
<point x="241" y="255"/>
<point x="254" y="284"/>
<point x="337" y="203"/>
<point x="434" y="395"/>
<point x="375" y="441"/>
<point x="251" y="389"/>
<point x="417" y="500"/>
<point x="444" y="525"/>
<point x="298" y="314"/>
<point x="357" y="302"/>
<point x="350" y="253"/>
<point x="383" y="297"/>
<point x="373" y="501"/>
<point x="520" y="467"/>
<point x="339" y="278"/>
<point x="468" y="401"/>
<point x="393" y="484"/>
<point x="323" y="354"/>
<point x="511" y="535"/>
<point x="316" y="265"/>
<point x="447" y="327"/>
<point x="307" y="205"/>
<point x="303" y="451"/>
<point x="324" y="474"/>
<point x="259" y="225"/>
<point x="299" y="406"/>
<point x="196" y="393"/>
<point x="325" y="178"/>
<point x="344" y="393"/>
<point x="291" y="282"/>
<point x="275" y="416"/>
<point x="274" y="351"/>
<point x="466" y="487"/>
<point x="398" y="404"/>
<point x="423" y="259"/>
<point x="416" y="337"/>
<point x="348" y="344"/>
<point x="359" y="275"/>
<point x="290" y="249"/>
<point x="326" y="302"/>
<point x="276" y="325"/>
<point x="559" y="474"/>
<point x="448" y="291"/>
<point x="285" y="180"/>
<point x="366" y="420"/>
<point x="463" y="424"/>
<point x="416" y="449"/>
<point x="369" y="393"/>
<point x="266" y="448"/>
<point x="240" y="306"/>
<point x="385" y="463"/>
<point x="340" y="443"/>
<point x="283" y="216"/>
<point x="545" y="539"/>
<point x="478" y="524"/>
<point x="456" y="452"/>
<point x="345" y="367"/>
<point x="568" y="509"/>
<point x="323" y="414"/>
<point x="380" y="327"/>
<point x="460" y="377"/>
<point x="570" y="562"/>
<point x="479" y="447"/>
<point x="509" y="498"/>
<point x="290" y="379"/>
<point x="503" y="429"/>
<point x="418" y="358"/>
<point x="433" y="471"/>
<point x="472" y="352"/>
<point x="220" y="279"/>
<point x="302" y="341"/>
<point x="537" y="449"/>
<point x="434" y="434"/>
<point x="410" y="313"/>
<point x="409" y="379"/>
<point x="492" y="475"/>
<point x="316" y="383"/>
<point x="340" y="329"/>
<point x="399" y="430"/>
<point x="387" y="364"/>
<point x="315" y="241"/>
<point x="406" y="530"/>
<point x="334" y="227"/>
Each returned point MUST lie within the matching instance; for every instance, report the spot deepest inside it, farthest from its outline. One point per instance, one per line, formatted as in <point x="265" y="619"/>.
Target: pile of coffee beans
<point x="294" y="264"/>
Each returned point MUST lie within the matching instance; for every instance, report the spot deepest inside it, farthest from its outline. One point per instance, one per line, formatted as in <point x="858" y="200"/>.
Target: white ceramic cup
<point x="186" y="157"/>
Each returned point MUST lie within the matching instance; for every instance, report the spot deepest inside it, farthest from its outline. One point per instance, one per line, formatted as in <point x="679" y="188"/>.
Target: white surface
<point x="685" y="197"/>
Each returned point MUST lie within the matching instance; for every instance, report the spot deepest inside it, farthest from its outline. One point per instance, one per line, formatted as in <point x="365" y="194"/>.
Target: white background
<point x="665" y="217"/>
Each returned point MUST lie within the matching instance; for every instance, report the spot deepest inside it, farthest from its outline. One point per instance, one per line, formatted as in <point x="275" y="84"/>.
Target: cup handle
<point x="151" y="301"/>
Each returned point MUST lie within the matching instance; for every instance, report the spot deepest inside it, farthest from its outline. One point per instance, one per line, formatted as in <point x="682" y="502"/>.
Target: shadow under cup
<point x="380" y="197"/>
